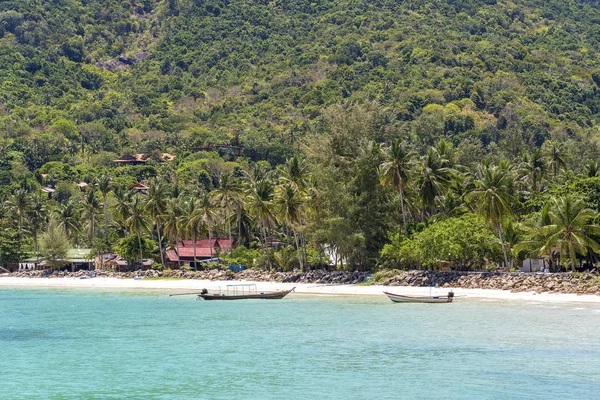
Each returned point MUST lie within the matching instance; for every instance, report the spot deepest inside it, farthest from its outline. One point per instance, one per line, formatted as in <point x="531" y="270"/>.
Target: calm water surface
<point x="80" y="344"/>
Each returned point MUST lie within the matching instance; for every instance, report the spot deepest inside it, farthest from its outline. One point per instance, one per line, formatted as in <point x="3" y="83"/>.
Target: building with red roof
<point x="205" y="249"/>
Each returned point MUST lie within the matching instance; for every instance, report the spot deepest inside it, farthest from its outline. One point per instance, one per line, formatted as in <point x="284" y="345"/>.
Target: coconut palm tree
<point x="532" y="170"/>
<point x="104" y="185"/>
<point x="433" y="179"/>
<point x="290" y="202"/>
<point x="172" y="220"/>
<point x="37" y="216"/>
<point x="294" y="171"/>
<point x="259" y="201"/>
<point x="68" y="217"/>
<point x="156" y="205"/>
<point x="190" y="221"/>
<point x="137" y="221"/>
<point x="570" y="228"/>
<point x="397" y="169"/>
<point x="555" y="159"/>
<point x="491" y="199"/>
<point x="121" y="210"/>
<point x="534" y="241"/>
<point x="206" y="217"/>
<point x="227" y="196"/>
<point x="18" y="204"/>
<point x="91" y="212"/>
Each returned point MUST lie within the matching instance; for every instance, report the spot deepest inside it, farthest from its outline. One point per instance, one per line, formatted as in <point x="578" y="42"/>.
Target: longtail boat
<point x="399" y="298"/>
<point x="242" y="292"/>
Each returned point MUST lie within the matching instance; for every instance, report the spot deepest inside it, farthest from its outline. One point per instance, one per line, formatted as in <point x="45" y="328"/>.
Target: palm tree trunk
<point x="105" y="229"/>
<point x="141" y="253"/>
<point x="229" y="227"/>
<point x="572" y="256"/>
<point x="177" y="247"/>
<point x="402" y="206"/>
<point x="160" y="249"/>
<point x="239" y="221"/>
<point x="210" y="242"/>
<point x="194" y="234"/>
<point x="298" y="251"/>
<point x="503" y="247"/>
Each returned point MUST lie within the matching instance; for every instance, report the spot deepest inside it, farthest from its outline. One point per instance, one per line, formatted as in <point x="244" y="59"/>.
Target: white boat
<point x="399" y="298"/>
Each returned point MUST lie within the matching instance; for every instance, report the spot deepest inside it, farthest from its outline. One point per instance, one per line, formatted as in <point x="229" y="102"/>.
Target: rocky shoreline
<point x="567" y="283"/>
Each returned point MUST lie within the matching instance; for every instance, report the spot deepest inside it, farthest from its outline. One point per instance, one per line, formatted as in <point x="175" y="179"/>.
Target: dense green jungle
<point x="342" y="134"/>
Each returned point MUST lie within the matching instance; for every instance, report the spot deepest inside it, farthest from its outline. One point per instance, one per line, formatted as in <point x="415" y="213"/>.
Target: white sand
<point x="184" y="286"/>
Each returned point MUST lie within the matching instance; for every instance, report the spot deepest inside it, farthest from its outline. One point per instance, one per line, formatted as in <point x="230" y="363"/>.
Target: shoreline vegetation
<point x="567" y="287"/>
<point x="359" y="140"/>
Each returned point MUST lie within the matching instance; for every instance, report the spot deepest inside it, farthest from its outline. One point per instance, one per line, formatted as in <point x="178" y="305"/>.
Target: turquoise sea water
<point x="100" y="344"/>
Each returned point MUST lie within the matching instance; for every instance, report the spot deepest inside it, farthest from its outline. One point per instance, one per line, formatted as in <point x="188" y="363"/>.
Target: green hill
<point x="260" y="73"/>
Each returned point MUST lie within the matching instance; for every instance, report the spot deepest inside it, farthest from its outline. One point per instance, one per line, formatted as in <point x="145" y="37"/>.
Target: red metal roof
<point x="185" y="249"/>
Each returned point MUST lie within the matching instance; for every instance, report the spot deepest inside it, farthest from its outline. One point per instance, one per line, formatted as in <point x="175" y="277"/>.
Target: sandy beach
<point x="181" y="286"/>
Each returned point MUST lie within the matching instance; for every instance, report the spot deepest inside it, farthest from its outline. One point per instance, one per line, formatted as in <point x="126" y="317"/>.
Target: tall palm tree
<point x="533" y="170"/>
<point x="397" y="169"/>
<point x="137" y="221"/>
<point x="290" y="203"/>
<point x="37" y="216"/>
<point x="554" y="157"/>
<point x="91" y="212"/>
<point x="104" y="185"/>
<point x="68" y="217"/>
<point x="156" y="205"/>
<point x="259" y="201"/>
<point x="433" y="179"/>
<point x="206" y="216"/>
<point x="535" y="241"/>
<point x="121" y="209"/>
<point x="190" y="221"/>
<point x="18" y="204"/>
<point x="491" y="199"/>
<point x="172" y="220"/>
<point x="294" y="171"/>
<point x="227" y="195"/>
<point x="570" y="228"/>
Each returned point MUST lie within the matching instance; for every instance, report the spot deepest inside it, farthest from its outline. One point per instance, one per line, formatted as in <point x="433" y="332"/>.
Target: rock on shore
<point x="579" y="283"/>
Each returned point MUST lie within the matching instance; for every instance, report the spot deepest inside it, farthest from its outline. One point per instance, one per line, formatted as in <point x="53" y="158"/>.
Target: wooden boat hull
<point x="398" y="298"/>
<point x="266" y="295"/>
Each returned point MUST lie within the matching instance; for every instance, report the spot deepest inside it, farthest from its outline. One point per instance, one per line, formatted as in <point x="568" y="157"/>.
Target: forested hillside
<point x="459" y="85"/>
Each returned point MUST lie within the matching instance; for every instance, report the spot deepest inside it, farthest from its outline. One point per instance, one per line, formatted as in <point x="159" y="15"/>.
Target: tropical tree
<point x="156" y="205"/>
<point x="122" y="207"/>
<point x="396" y="171"/>
<point x="554" y="157"/>
<point x="491" y="199"/>
<point x="290" y="202"/>
<point x="54" y="244"/>
<point x="18" y="205"/>
<point x="91" y="213"/>
<point x="206" y="216"/>
<point x="227" y="196"/>
<point x="433" y="179"/>
<point x="571" y="228"/>
<point x="137" y="221"/>
<point x="36" y="216"/>
<point x="294" y="171"/>
<point x="68" y="217"/>
<point x="534" y="241"/>
<point x="190" y="221"/>
<point x="259" y="201"/>
<point x="172" y="220"/>
<point x="104" y="185"/>
<point x="532" y="170"/>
